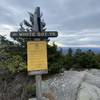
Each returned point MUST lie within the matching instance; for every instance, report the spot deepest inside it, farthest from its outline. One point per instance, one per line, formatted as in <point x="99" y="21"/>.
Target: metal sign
<point x="37" y="57"/>
<point x="34" y="34"/>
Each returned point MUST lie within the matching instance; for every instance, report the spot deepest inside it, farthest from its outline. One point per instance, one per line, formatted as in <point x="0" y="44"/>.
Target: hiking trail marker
<point x="36" y="50"/>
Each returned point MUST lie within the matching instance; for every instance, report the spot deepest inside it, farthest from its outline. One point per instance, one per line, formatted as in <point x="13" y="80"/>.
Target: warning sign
<point x="37" y="55"/>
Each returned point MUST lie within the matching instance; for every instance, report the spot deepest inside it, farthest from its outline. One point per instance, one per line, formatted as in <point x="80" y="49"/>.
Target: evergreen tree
<point x="9" y="58"/>
<point x="27" y="26"/>
<point x="55" y="59"/>
<point x="69" y="59"/>
<point x="54" y="56"/>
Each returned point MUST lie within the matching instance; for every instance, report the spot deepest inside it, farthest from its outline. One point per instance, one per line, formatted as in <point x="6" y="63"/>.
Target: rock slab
<point x="73" y="85"/>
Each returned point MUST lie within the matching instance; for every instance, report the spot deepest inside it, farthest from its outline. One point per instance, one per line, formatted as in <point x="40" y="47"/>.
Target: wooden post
<point x="36" y="34"/>
<point x="39" y="87"/>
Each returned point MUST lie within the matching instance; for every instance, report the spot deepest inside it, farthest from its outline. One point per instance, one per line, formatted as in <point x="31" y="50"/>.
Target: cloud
<point x="79" y="39"/>
<point x="77" y="21"/>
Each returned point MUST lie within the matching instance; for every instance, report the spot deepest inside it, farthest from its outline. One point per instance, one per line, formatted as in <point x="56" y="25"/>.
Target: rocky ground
<point x="70" y="85"/>
<point x="73" y="85"/>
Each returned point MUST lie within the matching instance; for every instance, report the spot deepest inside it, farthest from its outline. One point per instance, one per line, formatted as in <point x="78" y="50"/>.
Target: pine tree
<point x="69" y="59"/>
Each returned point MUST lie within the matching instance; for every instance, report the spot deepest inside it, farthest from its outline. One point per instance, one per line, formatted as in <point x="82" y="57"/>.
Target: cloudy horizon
<point x="77" y="21"/>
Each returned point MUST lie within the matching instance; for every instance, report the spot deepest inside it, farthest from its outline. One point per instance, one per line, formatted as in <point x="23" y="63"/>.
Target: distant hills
<point x="65" y="49"/>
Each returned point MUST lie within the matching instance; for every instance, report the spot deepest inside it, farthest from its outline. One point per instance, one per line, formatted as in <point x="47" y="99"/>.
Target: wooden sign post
<point x="36" y="50"/>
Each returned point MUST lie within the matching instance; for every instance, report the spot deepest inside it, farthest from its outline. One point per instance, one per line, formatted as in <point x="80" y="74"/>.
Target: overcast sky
<point x="77" y="21"/>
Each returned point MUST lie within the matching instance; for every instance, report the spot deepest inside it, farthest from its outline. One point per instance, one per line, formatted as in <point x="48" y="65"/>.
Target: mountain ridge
<point x="84" y="49"/>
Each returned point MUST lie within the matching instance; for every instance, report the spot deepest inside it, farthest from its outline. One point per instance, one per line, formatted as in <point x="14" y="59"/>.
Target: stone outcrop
<point x="73" y="85"/>
<point x="70" y="85"/>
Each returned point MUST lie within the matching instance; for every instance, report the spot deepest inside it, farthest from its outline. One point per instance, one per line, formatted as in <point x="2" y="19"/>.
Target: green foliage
<point x="12" y="63"/>
<point x="31" y="89"/>
<point x="82" y="60"/>
<point x="55" y="59"/>
<point x="13" y="58"/>
<point x="9" y="58"/>
<point x="69" y="59"/>
<point x="15" y="64"/>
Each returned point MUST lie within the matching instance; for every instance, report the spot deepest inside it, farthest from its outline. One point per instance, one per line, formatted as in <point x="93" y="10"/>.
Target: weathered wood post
<point x="36" y="50"/>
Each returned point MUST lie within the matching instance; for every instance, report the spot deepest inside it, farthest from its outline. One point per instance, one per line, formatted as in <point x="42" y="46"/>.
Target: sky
<point x="77" y="21"/>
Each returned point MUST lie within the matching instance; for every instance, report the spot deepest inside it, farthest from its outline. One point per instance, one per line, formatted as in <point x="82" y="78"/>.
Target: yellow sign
<point x="37" y="55"/>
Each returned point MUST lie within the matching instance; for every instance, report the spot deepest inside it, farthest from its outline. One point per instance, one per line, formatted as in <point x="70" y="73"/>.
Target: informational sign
<point x="45" y="34"/>
<point x="37" y="56"/>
